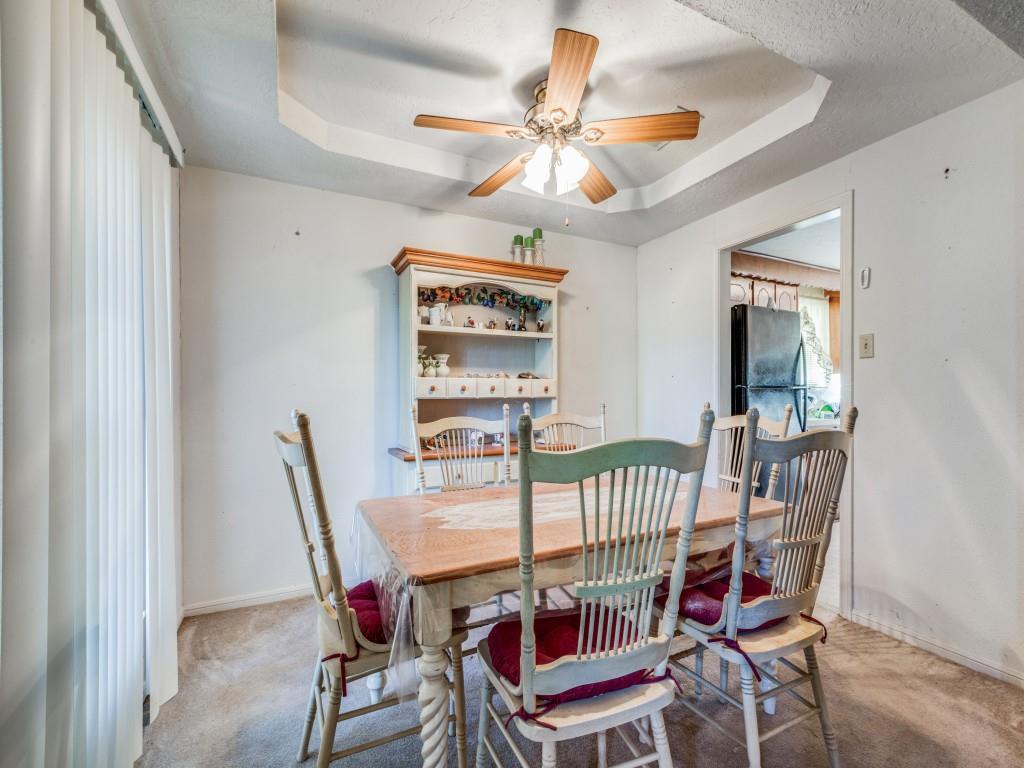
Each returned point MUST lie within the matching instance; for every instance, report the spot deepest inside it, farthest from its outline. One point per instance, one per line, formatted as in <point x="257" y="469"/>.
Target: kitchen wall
<point x="287" y="300"/>
<point x="938" y="495"/>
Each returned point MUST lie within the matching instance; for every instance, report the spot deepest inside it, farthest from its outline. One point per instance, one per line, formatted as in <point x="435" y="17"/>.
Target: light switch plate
<point x="867" y="345"/>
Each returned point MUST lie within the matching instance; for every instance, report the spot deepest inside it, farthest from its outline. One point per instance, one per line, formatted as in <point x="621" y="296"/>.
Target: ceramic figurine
<point x="492" y="324"/>
<point x="540" y="325"/>
<point x="522" y="319"/>
<point x="509" y="325"/>
<point x="469" y="323"/>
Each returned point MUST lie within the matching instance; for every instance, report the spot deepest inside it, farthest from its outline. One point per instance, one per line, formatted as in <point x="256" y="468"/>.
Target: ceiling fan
<point x="555" y="123"/>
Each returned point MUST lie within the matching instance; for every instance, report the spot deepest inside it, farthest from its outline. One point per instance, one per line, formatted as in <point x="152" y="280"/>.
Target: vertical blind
<point x="123" y="219"/>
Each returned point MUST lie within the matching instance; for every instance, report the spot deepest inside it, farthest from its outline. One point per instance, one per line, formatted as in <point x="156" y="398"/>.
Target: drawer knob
<point x="493" y="387"/>
<point x="462" y="388"/>
<point x="545" y="390"/>
<point x="433" y="388"/>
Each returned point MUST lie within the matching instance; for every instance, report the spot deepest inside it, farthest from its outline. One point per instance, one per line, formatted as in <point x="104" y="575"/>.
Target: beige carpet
<point x="245" y="676"/>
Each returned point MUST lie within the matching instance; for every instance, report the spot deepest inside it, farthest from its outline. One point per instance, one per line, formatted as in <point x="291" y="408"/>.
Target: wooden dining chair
<point x="754" y="622"/>
<point x="733" y="431"/>
<point x="460" y="447"/>
<point x="352" y="641"/>
<point x="566" y="431"/>
<point x="567" y="675"/>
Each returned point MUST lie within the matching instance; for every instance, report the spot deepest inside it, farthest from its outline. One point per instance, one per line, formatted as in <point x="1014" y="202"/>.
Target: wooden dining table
<point x="457" y="549"/>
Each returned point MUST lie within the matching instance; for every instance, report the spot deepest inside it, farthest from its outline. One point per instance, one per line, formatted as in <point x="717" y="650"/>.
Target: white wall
<point x="938" y="523"/>
<point x="288" y="301"/>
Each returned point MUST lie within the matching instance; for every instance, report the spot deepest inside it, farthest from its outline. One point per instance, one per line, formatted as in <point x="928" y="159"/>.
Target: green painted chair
<point x="564" y="676"/>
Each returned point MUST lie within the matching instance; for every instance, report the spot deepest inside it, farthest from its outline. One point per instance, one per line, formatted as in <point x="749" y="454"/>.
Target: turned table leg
<point x="433" y="700"/>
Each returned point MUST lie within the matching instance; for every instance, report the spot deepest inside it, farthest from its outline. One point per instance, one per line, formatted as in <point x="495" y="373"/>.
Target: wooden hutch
<point x="484" y="362"/>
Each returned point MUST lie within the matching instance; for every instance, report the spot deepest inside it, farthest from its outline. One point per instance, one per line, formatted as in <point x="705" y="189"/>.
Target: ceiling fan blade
<point x="595" y="185"/>
<point x="572" y="55"/>
<point x="673" y="126"/>
<point x="501" y="177"/>
<point x="469" y="126"/>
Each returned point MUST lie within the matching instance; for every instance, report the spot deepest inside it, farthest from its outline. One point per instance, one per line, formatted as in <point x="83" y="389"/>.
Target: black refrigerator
<point x="769" y="369"/>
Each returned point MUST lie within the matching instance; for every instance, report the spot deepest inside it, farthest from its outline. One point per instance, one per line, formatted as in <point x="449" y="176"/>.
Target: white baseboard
<point x="912" y="638"/>
<point x="246" y="601"/>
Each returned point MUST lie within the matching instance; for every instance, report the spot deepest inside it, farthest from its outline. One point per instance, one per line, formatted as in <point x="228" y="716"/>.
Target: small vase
<point x="429" y="370"/>
<point x="538" y="252"/>
<point x="442" y="365"/>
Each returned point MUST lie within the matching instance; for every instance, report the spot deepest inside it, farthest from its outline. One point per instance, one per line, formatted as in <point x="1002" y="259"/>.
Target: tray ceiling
<point x="784" y="92"/>
<point x="374" y="65"/>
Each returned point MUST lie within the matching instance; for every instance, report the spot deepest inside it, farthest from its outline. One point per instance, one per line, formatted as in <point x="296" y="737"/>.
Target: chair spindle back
<point x="817" y="461"/>
<point x="733" y="431"/>
<point x="565" y="431"/>
<point x="460" y="449"/>
<point x="627" y="490"/>
<point x="298" y="456"/>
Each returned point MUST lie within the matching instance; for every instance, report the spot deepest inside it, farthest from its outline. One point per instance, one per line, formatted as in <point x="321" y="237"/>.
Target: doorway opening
<point x="785" y="342"/>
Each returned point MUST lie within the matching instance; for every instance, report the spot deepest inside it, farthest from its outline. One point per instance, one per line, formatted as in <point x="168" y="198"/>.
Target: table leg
<point x="433" y="700"/>
<point x="375" y="684"/>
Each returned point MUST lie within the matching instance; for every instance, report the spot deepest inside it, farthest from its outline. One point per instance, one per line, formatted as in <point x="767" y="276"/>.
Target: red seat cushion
<point x="556" y="636"/>
<point x="704" y="603"/>
<point x="362" y="599"/>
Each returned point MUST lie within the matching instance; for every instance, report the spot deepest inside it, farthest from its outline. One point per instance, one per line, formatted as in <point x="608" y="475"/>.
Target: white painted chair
<point x="345" y="652"/>
<point x="631" y="486"/>
<point x="566" y="431"/>
<point x="732" y="432"/>
<point x="817" y="462"/>
<point x="459" y="443"/>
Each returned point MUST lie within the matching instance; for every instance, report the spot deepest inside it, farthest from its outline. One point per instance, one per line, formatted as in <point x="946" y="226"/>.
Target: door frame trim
<point x="777" y="224"/>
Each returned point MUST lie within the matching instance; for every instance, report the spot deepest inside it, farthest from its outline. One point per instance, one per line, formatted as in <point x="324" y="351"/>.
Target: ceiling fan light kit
<point x="555" y="122"/>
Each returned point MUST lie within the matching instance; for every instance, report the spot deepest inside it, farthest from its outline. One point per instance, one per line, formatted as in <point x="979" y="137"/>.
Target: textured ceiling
<point x="892" y="63"/>
<point x="1003" y="18"/>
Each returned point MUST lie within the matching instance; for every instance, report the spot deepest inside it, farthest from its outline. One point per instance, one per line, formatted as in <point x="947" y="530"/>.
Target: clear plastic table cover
<point x="395" y="597"/>
<point x="395" y="601"/>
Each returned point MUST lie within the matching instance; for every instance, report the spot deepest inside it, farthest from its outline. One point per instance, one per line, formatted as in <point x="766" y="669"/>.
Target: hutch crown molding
<point x="484" y="362"/>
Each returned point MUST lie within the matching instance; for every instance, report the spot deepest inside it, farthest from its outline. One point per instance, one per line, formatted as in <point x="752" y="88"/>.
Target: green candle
<point x="538" y="233"/>
<point x="517" y="240"/>
<point x="528" y="243"/>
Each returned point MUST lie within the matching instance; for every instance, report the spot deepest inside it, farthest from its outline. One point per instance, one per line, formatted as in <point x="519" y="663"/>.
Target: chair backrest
<point x="565" y="431"/>
<point x="627" y="490"/>
<point x="459" y="442"/>
<point x="299" y="458"/>
<point x="813" y="466"/>
<point x="733" y="431"/>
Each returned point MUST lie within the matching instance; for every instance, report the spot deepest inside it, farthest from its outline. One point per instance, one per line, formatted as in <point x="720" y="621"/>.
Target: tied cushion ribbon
<point x="824" y="629"/>
<point x="734" y="645"/>
<point x="342" y="658"/>
<point x="534" y="717"/>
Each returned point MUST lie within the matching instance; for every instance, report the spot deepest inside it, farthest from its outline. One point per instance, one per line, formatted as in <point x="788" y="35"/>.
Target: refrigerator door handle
<point x="800" y="395"/>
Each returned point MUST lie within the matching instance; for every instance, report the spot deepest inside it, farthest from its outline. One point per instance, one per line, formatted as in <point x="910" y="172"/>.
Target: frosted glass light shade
<point x="538" y="169"/>
<point x="570" y="168"/>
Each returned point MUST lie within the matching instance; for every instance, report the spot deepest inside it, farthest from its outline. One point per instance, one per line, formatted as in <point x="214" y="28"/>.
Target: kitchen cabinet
<point x="741" y="290"/>
<point x="786" y="297"/>
<point x="764" y="293"/>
